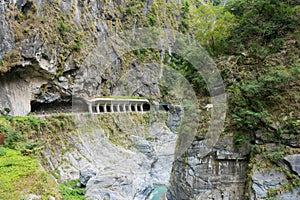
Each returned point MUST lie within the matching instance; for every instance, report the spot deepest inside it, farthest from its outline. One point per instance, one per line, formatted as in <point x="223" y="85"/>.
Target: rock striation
<point x="218" y="175"/>
<point x="294" y="163"/>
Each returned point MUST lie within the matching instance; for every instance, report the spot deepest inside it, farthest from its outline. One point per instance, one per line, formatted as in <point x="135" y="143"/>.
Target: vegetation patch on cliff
<point x="28" y="134"/>
<point x="120" y="127"/>
<point x="71" y="191"/>
<point x="22" y="175"/>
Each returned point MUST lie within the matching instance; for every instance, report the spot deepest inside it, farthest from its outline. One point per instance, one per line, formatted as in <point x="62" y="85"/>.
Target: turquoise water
<point x="158" y="192"/>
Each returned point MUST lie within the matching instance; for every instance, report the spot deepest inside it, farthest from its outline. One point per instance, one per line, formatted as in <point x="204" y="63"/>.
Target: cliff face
<point x="219" y="175"/>
<point x="51" y="53"/>
<point x="36" y="48"/>
<point x="117" y="156"/>
<point x="53" y="39"/>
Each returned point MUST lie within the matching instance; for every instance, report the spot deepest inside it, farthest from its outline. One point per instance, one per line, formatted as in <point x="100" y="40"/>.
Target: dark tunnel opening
<point x="53" y="107"/>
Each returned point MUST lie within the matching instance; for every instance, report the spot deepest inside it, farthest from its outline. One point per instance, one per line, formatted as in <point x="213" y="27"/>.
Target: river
<point x="158" y="192"/>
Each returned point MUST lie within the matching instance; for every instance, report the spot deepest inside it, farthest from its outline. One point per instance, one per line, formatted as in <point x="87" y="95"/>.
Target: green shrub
<point x="2" y="151"/>
<point x="12" y="136"/>
<point x="240" y="139"/>
<point x="77" y="45"/>
<point x="273" y="156"/>
<point x="248" y="119"/>
<point x="259" y="51"/>
<point x="64" y="28"/>
<point x="152" y="20"/>
<point x="21" y="132"/>
<point x="70" y="191"/>
<point x="31" y="148"/>
<point x="277" y="44"/>
<point x="185" y="7"/>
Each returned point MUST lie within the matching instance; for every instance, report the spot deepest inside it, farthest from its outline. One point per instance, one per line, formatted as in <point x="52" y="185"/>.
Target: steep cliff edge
<point x="115" y="156"/>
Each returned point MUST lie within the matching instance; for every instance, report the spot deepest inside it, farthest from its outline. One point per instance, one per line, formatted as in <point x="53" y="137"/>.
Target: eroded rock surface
<point x="218" y="175"/>
<point x="294" y="162"/>
<point x="263" y="180"/>
<point x="16" y="91"/>
<point x="111" y="171"/>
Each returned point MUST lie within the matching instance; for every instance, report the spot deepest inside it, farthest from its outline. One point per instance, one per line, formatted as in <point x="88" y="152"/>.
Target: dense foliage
<point x="212" y="26"/>
<point x="263" y="20"/>
<point x="264" y="42"/>
<point x="258" y="57"/>
<point x="256" y="46"/>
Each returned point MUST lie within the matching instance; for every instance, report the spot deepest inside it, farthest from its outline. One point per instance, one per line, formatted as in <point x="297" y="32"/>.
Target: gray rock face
<point x="34" y="51"/>
<point x="174" y="117"/>
<point x="163" y="142"/>
<point x="114" y="187"/>
<point x="16" y="92"/>
<point x="143" y="146"/>
<point x="264" y="180"/>
<point x="154" y="169"/>
<point x="293" y="195"/>
<point x="110" y="171"/>
<point x="140" y="80"/>
<point x="6" y="37"/>
<point x="291" y="140"/>
<point x="294" y="162"/>
<point x="219" y="175"/>
<point x="98" y="75"/>
<point x="86" y="174"/>
<point x="121" y="173"/>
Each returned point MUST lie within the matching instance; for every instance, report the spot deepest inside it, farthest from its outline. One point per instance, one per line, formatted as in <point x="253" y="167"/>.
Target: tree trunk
<point x="2" y="138"/>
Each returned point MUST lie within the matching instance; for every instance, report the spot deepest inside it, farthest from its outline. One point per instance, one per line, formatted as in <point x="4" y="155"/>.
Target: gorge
<point x="152" y="99"/>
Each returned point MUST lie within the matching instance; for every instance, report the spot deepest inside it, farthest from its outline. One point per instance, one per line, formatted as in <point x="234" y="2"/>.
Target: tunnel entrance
<point x="78" y="105"/>
<point x="164" y="106"/>
<point x="146" y="107"/>
<point x="49" y="108"/>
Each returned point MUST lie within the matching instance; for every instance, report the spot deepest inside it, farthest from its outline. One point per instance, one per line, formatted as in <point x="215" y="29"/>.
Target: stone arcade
<point x="104" y="105"/>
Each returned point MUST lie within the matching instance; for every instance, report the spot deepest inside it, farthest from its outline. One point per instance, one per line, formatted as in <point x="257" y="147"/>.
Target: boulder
<point x="86" y="174"/>
<point x="33" y="196"/>
<point x="294" y="162"/>
<point x="265" y="179"/>
<point x="118" y="186"/>
<point x="51" y="198"/>
<point x="291" y="195"/>
<point x="143" y="145"/>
